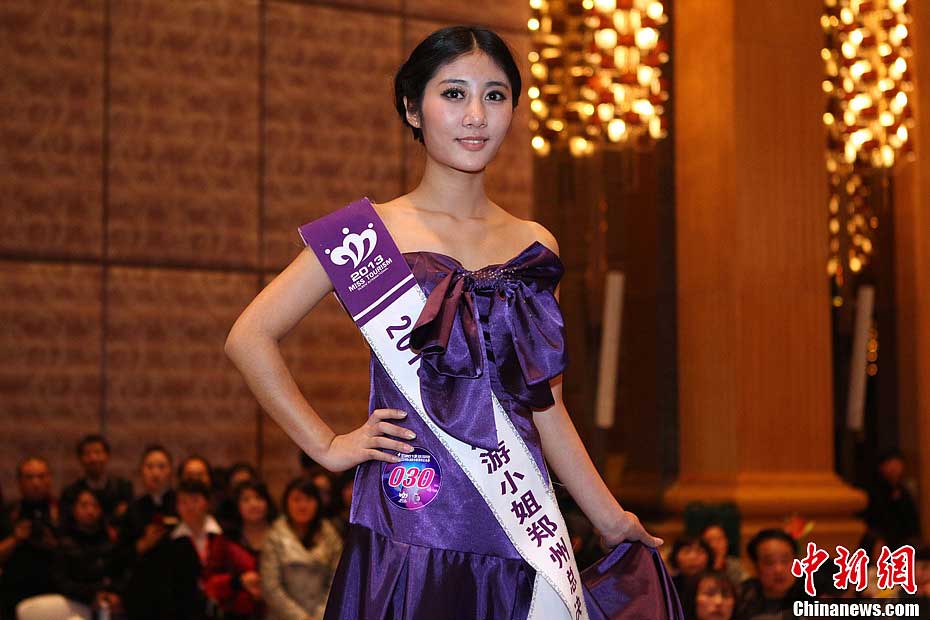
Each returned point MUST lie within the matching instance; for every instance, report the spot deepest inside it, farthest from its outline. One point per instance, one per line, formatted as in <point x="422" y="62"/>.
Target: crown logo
<point x="355" y="247"/>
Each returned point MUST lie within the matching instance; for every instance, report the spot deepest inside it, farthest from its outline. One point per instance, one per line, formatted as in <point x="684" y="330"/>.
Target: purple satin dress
<point x="495" y="329"/>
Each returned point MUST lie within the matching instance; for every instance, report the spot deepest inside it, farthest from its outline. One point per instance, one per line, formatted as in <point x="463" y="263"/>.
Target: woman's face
<point x="692" y="560"/>
<point x="195" y="469"/>
<point x="87" y="511"/>
<point x="713" y="602"/>
<point x="301" y="508"/>
<point x="252" y="507"/>
<point x="716" y="538"/>
<point x="466" y="112"/>
<point x="156" y="472"/>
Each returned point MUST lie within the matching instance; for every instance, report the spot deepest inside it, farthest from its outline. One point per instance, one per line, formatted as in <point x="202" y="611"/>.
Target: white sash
<point x="379" y="291"/>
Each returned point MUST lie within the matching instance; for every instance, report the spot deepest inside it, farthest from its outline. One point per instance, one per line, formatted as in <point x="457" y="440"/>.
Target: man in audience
<point x="771" y="593"/>
<point x="115" y="493"/>
<point x="26" y="552"/>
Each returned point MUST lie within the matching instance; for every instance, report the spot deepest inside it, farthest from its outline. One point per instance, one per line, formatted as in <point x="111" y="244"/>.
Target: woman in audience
<point x="714" y="596"/>
<point x="85" y="568"/>
<point x="255" y="514"/>
<point x="299" y="556"/>
<point x="716" y="538"/>
<point x="227" y="513"/>
<point x="690" y="557"/>
<point x="146" y="523"/>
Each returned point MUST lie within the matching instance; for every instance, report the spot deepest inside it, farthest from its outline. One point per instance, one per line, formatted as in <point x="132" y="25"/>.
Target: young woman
<point x="492" y="281"/>
<point x="299" y="556"/>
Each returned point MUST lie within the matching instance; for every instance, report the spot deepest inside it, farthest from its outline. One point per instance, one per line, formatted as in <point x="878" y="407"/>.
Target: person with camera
<point x="26" y="552"/>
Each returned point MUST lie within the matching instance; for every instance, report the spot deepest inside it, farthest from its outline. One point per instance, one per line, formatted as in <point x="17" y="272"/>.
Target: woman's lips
<point x="472" y="144"/>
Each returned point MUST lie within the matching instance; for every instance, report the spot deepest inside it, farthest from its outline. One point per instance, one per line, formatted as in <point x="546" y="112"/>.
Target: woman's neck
<point x="254" y="530"/>
<point x="454" y="192"/>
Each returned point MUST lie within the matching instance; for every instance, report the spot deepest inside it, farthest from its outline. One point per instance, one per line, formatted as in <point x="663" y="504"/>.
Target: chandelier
<point x="868" y="118"/>
<point x="597" y="73"/>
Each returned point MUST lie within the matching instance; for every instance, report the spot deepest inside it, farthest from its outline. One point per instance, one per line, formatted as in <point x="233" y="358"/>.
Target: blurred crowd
<point x="201" y="543"/>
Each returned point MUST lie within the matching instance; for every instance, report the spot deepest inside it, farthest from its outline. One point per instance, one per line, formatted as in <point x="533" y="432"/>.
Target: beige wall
<point x="156" y="157"/>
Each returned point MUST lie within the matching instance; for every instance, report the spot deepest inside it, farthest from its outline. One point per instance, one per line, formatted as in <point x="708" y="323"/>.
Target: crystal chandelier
<point x="597" y="73"/>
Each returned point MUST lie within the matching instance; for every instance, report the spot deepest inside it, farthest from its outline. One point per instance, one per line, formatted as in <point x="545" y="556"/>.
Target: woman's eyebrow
<point x="490" y="83"/>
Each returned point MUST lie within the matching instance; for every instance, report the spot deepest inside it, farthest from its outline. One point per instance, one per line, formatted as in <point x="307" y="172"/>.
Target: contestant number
<point x="410" y="477"/>
<point x="367" y="268"/>
<point x="403" y="343"/>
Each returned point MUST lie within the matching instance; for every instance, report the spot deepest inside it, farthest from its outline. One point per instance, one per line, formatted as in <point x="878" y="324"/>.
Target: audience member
<point x="716" y="538"/>
<point x="26" y="551"/>
<point x="196" y="468"/>
<point x="299" y="556"/>
<point x="690" y="556"/>
<point x="114" y="493"/>
<point x="86" y="568"/>
<point x="771" y="593"/>
<point x="227" y="511"/>
<point x="714" y="596"/>
<point x="891" y="508"/>
<point x="254" y="516"/>
<point x="145" y="526"/>
<point x="343" y="486"/>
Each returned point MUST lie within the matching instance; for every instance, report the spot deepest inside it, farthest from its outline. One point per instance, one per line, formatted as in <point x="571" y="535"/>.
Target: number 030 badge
<point x="414" y="482"/>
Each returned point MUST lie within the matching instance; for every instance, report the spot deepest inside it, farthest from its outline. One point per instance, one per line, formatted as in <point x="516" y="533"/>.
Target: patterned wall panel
<point x="329" y="360"/>
<point x="50" y="318"/>
<point x="331" y="132"/>
<point x="506" y="14"/>
<point x="509" y="179"/>
<point x="184" y="131"/>
<point x="168" y="379"/>
<point x="51" y="136"/>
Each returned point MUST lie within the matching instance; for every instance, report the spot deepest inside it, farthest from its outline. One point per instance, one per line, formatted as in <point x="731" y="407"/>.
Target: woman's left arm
<point x="569" y="459"/>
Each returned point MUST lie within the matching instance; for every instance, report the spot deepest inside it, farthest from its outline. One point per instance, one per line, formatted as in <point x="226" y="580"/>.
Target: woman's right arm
<point x="253" y="346"/>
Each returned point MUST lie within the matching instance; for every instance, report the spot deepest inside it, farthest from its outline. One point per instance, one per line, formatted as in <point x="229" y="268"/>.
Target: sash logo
<point x="355" y="247"/>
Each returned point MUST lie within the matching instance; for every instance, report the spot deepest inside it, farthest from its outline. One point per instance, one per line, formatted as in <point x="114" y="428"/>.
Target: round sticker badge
<point x="414" y="482"/>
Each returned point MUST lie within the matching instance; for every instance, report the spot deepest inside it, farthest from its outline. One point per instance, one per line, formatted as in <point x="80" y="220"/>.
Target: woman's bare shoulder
<point x="534" y="231"/>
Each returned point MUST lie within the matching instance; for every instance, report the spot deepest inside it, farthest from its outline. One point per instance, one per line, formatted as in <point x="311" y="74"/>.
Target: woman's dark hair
<point x="306" y="486"/>
<point x="260" y="489"/>
<point x="155" y="447"/>
<point x="752" y="547"/>
<point x="194" y="487"/>
<point x="440" y="48"/>
<point x="691" y="587"/>
<point x="689" y="541"/>
<point x="88" y="440"/>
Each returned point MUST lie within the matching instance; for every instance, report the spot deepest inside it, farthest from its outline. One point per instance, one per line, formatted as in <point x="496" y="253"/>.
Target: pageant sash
<point x="376" y="287"/>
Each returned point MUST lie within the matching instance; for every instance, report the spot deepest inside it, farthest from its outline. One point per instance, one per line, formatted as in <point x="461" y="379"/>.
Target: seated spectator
<point x="254" y="515"/>
<point x="196" y="468"/>
<point x="771" y="593"/>
<point x="323" y="480"/>
<point x="145" y="525"/>
<point x="891" y="508"/>
<point x="714" y="596"/>
<point x="227" y="511"/>
<point x="194" y="541"/>
<point x="27" y="549"/>
<point x="716" y="538"/>
<point x="85" y="568"/>
<point x="300" y="556"/>
<point x="690" y="556"/>
<point x="115" y="493"/>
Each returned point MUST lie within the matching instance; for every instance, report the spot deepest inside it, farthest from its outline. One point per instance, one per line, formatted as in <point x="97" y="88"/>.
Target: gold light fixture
<point x="868" y="119"/>
<point x="596" y="70"/>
